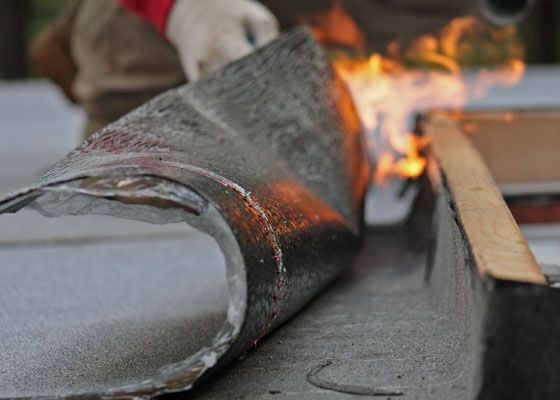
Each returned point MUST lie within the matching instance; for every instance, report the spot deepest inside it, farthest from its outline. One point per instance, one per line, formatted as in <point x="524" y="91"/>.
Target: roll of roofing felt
<point x="265" y="156"/>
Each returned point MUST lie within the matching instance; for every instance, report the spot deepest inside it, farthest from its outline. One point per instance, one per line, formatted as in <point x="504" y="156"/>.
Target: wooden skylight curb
<point x="499" y="248"/>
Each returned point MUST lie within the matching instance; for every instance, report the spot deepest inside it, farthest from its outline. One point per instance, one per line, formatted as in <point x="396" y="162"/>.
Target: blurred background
<point x="22" y="20"/>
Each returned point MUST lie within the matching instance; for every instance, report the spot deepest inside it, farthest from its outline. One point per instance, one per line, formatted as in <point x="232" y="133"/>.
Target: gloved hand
<point x="211" y="33"/>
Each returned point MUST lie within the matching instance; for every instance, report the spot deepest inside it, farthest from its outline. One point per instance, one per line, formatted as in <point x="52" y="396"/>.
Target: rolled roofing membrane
<point x="266" y="156"/>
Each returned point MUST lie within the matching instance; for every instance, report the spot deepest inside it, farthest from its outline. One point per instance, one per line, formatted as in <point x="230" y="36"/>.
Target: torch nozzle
<point x="505" y="12"/>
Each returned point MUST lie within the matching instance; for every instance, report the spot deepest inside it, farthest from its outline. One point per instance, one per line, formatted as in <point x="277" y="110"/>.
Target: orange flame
<point x="335" y="26"/>
<point x="389" y="90"/>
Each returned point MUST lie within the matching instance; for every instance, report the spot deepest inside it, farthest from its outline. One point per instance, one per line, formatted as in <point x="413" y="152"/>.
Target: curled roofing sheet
<point x="266" y="156"/>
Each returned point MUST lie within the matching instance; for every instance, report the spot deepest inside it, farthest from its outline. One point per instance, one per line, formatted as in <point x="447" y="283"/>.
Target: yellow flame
<point x="388" y="91"/>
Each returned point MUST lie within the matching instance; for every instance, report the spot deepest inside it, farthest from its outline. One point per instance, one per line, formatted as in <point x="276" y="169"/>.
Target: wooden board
<point x="498" y="246"/>
<point x="518" y="146"/>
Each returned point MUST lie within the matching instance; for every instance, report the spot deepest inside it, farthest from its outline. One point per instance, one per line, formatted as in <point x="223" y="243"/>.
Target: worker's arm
<point x="208" y="33"/>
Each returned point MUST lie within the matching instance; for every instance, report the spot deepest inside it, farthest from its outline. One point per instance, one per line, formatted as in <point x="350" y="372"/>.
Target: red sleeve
<point x="153" y="11"/>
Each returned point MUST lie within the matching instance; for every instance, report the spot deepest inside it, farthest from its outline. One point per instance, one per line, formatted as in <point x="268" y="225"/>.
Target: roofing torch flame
<point x="388" y="90"/>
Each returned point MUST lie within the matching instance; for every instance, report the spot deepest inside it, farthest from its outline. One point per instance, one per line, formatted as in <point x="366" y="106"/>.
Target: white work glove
<point x="211" y="33"/>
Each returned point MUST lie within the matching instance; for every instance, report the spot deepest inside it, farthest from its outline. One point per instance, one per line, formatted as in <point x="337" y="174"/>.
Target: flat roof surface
<point x="376" y="330"/>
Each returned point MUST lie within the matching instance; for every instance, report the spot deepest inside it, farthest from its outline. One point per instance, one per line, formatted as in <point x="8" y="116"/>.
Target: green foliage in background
<point x="40" y="14"/>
